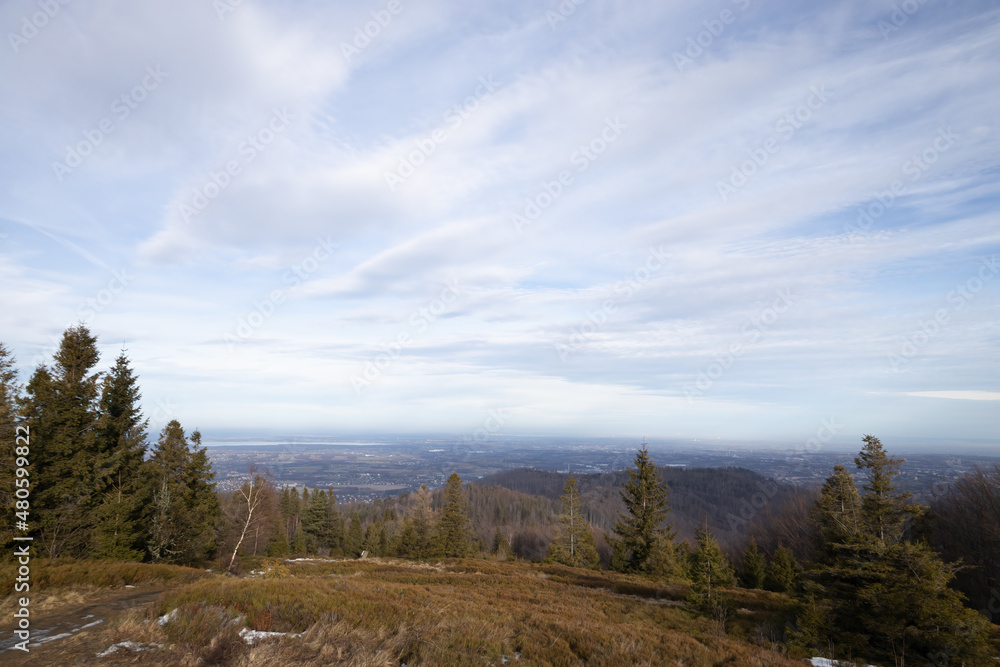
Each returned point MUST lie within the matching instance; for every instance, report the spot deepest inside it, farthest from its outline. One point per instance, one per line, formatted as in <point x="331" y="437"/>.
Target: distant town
<point x="363" y="470"/>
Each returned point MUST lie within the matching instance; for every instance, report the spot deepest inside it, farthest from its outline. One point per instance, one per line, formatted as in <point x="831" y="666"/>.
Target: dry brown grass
<point x="451" y="612"/>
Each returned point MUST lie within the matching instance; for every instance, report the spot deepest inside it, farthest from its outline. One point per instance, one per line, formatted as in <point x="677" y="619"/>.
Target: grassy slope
<point x="455" y="612"/>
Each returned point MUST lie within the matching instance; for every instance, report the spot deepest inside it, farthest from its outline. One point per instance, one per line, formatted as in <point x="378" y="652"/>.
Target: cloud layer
<point x="728" y="221"/>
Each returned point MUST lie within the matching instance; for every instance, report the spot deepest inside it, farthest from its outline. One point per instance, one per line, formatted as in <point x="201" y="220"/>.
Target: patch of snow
<point x="129" y="586"/>
<point x="131" y="646"/>
<point x="253" y="636"/>
<point x="46" y="640"/>
<point x="826" y="662"/>
<point x="89" y="625"/>
<point x="166" y="618"/>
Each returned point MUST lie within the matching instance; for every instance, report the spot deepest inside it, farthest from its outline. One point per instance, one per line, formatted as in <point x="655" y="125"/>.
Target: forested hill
<point x="729" y="498"/>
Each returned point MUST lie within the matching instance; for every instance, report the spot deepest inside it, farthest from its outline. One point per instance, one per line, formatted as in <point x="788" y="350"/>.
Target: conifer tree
<point x="333" y="525"/>
<point x="501" y="545"/>
<point x="121" y="448"/>
<point x="574" y="543"/>
<point x="753" y="566"/>
<point x="837" y="514"/>
<point x="647" y="501"/>
<point x="783" y="572"/>
<point x="314" y="520"/>
<point x="886" y="597"/>
<point x="406" y="545"/>
<point x="423" y="520"/>
<point x="299" y="542"/>
<point x="884" y="510"/>
<point x="710" y="571"/>
<point x="184" y="513"/>
<point x="355" y="537"/>
<point x="454" y="539"/>
<point x="278" y="546"/>
<point x="61" y="410"/>
<point x="202" y="499"/>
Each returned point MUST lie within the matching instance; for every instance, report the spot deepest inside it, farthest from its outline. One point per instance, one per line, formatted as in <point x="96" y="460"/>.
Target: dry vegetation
<point x="453" y="612"/>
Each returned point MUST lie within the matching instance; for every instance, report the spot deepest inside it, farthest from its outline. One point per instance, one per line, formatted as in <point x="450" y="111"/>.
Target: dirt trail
<point x="53" y="625"/>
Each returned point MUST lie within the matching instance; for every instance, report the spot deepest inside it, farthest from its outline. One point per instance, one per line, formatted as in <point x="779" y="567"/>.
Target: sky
<point x="726" y="220"/>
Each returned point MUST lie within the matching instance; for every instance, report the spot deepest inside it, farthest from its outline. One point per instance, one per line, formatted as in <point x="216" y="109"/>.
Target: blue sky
<point x="721" y="220"/>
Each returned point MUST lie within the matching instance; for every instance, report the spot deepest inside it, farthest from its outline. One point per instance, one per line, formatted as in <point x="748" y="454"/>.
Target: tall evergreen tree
<point x="314" y="520"/>
<point x="121" y="448"/>
<point x="885" y="511"/>
<point x="355" y="537"/>
<point x="61" y="409"/>
<point x="501" y="545"/>
<point x="886" y="597"/>
<point x="454" y="539"/>
<point x="647" y="501"/>
<point x="836" y="516"/>
<point x="423" y="523"/>
<point x="753" y="566"/>
<point x="574" y="543"/>
<point x="710" y="571"/>
<point x="333" y="526"/>
<point x="783" y="572"/>
<point x="185" y="510"/>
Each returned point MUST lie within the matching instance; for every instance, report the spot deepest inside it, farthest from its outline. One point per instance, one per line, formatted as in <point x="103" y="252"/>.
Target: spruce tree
<point x="423" y="523"/>
<point x="884" y="510"/>
<point x="185" y="511"/>
<point x="121" y="448"/>
<point x="278" y="546"/>
<point x="333" y="525"/>
<point x="783" y="572"/>
<point x="647" y="501"/>
<point x="314" y="520"/>
<point x="887" y="597"/>
<point x="61" y="410"/>
<point x="355" y="537"/>
<point x="710" y="571"/>
<point x="406" y="546"/>
<point x="501" y="545"/>
<point x="299" y="542"/>
<point x="574" y="543"/>
<point x="753" y="566"/>
<point x="454" y="539"/>
<point x="836" y="516"/>
<point x="203" y="500"/>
